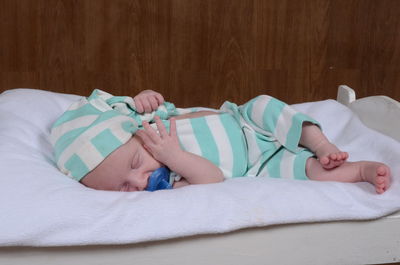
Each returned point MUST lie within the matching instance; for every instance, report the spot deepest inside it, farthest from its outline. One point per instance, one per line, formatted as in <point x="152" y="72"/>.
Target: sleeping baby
<point x="115" y="143"/>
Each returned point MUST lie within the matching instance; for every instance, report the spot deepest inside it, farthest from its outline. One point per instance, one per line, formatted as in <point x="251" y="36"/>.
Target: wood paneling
<point x="202" y="52"/>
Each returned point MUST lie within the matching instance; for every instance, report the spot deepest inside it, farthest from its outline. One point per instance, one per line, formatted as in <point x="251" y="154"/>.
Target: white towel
<point x="39" y="206"/>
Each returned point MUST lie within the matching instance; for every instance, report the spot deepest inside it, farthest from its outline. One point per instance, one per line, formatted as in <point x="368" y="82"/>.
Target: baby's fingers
<point x="172" y="126"/>
<point x="144" y="137"/>
<point x="138" y="105"/>
<point x="159" y="98"/>
<point x="142" y="104"/>
<point x="146" y="105"/>
<point x="153" y="102"/>
<point x="161" y="127"/>
<point x="151" y="132"/>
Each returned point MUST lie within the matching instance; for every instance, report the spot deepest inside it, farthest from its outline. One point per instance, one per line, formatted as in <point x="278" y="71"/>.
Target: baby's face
<point x="128" y="168"/>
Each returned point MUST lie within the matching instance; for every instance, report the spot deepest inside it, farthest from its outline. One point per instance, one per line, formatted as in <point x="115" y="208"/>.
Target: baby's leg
<point x="377" y="174"/>
<point x="328" y="154"/>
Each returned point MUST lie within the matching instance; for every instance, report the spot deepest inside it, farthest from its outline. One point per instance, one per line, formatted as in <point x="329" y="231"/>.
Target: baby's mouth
<point x="159" y="180"/>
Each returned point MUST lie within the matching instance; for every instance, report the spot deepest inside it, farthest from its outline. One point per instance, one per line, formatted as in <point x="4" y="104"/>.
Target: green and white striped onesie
<point x="259" y="138"/>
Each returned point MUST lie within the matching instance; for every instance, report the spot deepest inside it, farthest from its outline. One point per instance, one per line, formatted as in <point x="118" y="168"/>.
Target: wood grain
<point x="202" y="52"/>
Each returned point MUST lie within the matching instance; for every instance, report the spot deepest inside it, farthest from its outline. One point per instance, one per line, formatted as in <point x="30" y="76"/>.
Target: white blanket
<point x="39" y="206"/>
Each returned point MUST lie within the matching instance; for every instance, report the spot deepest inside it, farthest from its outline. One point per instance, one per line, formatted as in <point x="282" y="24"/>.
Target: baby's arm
<point x="165" y="148"/>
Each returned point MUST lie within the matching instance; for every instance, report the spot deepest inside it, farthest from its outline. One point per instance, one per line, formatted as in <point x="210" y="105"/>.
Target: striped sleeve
<point x="217" y="138"/>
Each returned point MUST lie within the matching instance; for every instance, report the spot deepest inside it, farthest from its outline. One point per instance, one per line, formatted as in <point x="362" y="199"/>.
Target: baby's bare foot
<point x="377" y="174"/>
<point x="330" y="156"/>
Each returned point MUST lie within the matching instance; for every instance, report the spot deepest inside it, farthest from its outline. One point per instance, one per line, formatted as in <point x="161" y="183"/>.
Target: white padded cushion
<point x="39" y="206"/>
<point x="26" y="118"/>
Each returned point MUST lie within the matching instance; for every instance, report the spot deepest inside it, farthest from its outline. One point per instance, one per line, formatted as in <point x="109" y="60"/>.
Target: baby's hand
<point x="148" y="101"/>
<point x="162" y="146"/>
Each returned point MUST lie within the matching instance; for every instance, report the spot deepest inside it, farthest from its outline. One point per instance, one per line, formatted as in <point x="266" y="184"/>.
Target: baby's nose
<point x="143" y="181"/>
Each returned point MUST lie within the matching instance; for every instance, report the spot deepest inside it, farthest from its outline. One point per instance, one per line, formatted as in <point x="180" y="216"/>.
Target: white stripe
<point x="284" y="124"/>
<point x="263" y="172"/>
<point x="186" y="136"/>
<point x="286" y="165"/>
<point x="162" y="108"/>
<point x="130" y="102"/>
<point x="222" y="142"/>
<point x="82" y="140"/>
<point x="277" y="144"/>
<point x="254" y="152"/>
<point x="104" y="95"/>
<point x="257" y="116"/>
<point x="68" y="126"/>
<point x="253" y="149"/>
<point x="100" y="104"/>
<point x="257" y="113"/>
<point x="252" y="172"/>
<point x="147" y="116"/>
<point x="121" y="108"/>
<point x="90" y="156"/>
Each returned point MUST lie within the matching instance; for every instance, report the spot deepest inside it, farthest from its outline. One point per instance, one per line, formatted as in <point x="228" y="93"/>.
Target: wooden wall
<point x="202" y="52"/>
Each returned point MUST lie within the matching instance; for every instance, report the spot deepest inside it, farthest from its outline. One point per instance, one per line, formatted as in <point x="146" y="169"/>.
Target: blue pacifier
<point x="159" y="180"/>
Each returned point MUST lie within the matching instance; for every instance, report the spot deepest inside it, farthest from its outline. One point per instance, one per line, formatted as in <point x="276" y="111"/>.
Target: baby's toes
<point x="336" y="159"/>
<point x="333" y="156"/>
<point x="382" y="180"/>
<point x="324" y="160"/>
<point x="379" y="190"/>
<point x="382" y="172"/>
<point x="344" y="156"/>
<point x="327" y="162"/>
<point x="340" y="156"/>
<point x="380" y="185"/>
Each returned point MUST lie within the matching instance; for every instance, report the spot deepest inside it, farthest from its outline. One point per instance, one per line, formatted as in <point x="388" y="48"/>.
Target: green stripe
<point x="205" y="139"/>
<point x="77" y="167"/>
<point x="237" y="142"/>
<point x="299" y="165"/>
<point x="105" y="142"/>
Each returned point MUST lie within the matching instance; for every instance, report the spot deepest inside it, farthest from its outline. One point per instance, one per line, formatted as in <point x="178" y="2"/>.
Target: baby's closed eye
<point x="135" y="161"/>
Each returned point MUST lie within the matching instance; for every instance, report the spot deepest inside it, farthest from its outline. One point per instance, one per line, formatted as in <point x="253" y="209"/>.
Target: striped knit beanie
<point x="93" y="128"/>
